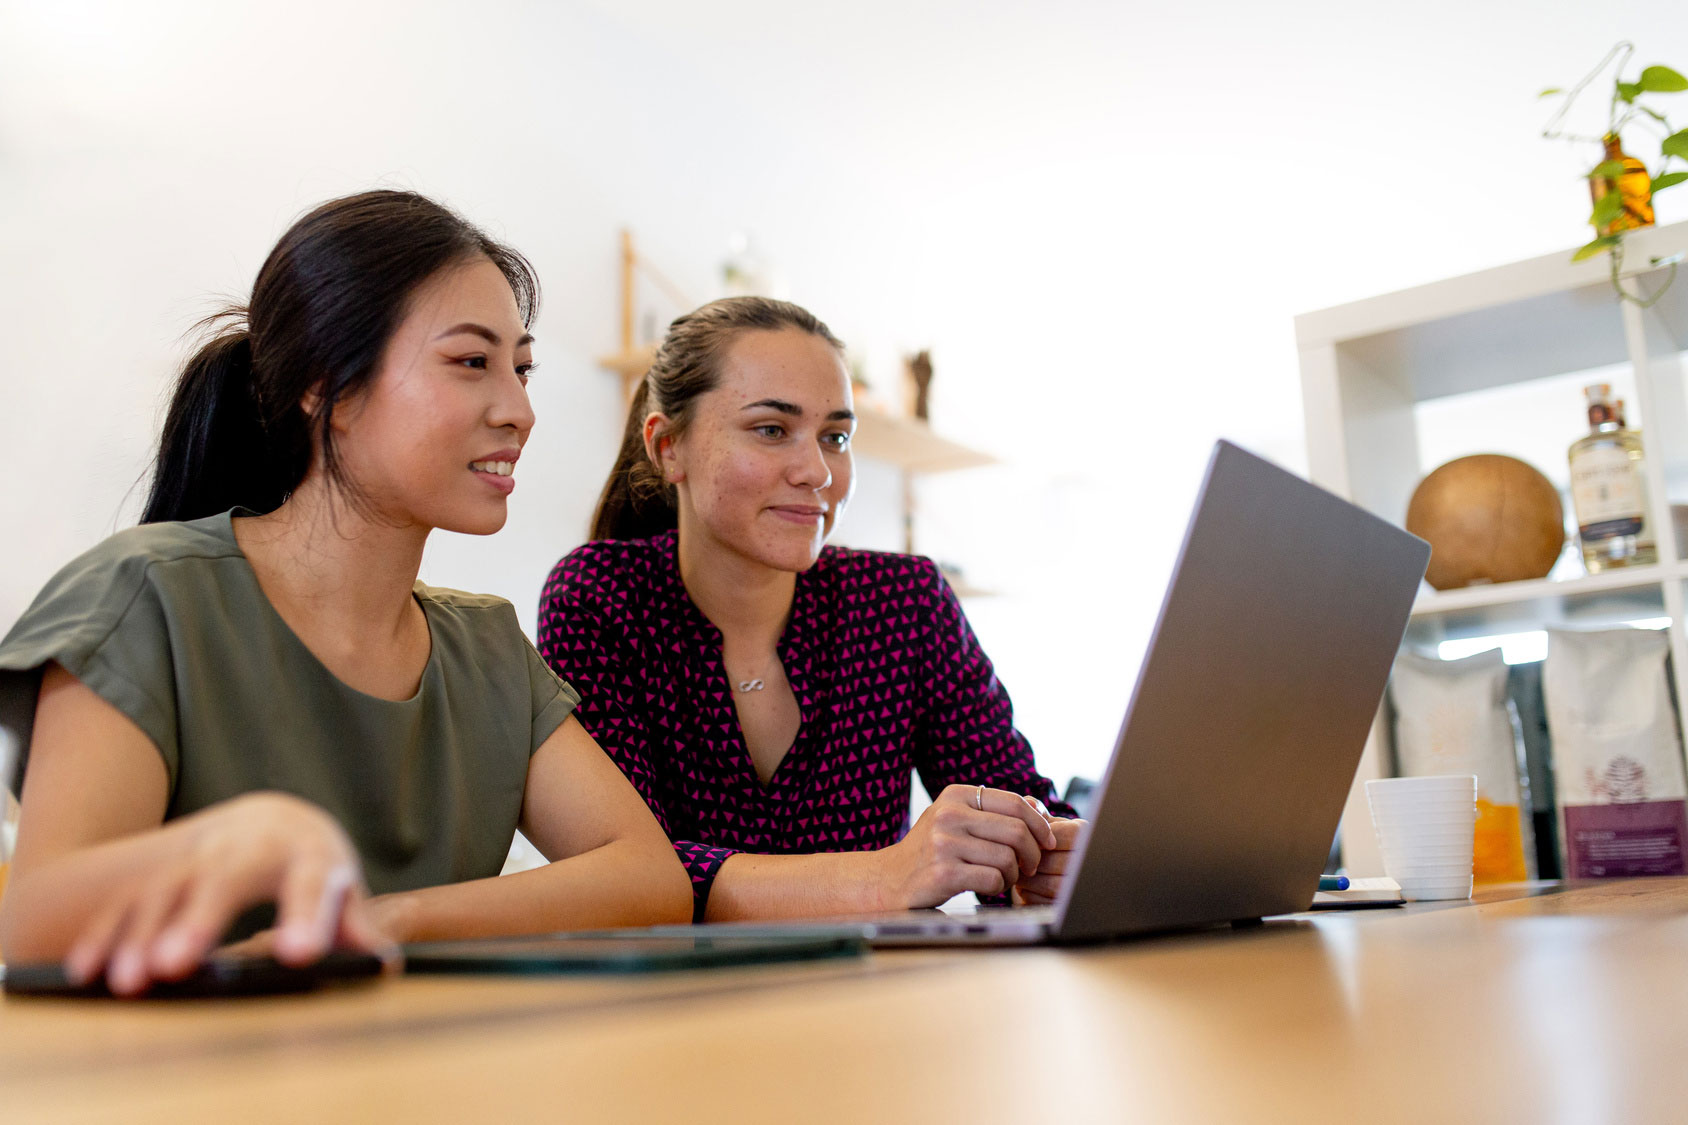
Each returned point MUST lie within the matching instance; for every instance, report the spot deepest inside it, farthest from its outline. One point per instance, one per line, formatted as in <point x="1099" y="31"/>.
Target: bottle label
<point x="1606" y="489"/>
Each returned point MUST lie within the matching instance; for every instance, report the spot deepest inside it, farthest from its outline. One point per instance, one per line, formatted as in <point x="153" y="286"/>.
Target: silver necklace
<point x="750" y="685"/>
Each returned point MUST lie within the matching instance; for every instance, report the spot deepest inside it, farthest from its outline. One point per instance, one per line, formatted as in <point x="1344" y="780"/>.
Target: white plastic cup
<point x="1407" y="853"/>
<point x="1418" y="803"/>
<point x="1435" y="890"/>
<point x="1385" y="790"/>
<point x="1425" y="836"/>
<point x="1427" y="783"/>
<point x="1426" y="827"/>
<point x="1432" y="836"/>
<point x="1430" y="826"/>
<point x="1431" y="870"/>
<point x="1434" y="818"/>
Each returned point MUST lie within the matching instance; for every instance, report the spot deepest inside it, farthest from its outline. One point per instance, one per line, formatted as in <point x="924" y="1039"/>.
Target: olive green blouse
<point x="167" y="622"/>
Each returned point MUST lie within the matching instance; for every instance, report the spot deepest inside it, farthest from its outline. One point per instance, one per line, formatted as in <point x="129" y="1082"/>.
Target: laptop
<point x="1263" y="674"/>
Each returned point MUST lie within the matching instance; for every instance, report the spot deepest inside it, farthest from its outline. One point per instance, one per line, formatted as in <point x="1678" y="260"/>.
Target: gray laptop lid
<point x="1262" y="676"/>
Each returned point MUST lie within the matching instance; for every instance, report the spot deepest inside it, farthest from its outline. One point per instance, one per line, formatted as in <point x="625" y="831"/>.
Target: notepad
<point x="1361" y="893"/>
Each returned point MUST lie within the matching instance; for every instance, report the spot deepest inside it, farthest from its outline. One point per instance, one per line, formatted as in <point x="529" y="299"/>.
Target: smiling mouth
<point x="496" y="468"/>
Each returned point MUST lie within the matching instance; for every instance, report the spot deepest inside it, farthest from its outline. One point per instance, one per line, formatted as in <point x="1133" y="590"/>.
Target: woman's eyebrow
<point x="778" y="404"/>
<point x="796" y="411"/>
<point x="485" y="333"/>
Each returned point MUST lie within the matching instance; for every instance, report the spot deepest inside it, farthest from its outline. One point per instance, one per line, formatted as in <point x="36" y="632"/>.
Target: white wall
<point x="1100" y="217"/>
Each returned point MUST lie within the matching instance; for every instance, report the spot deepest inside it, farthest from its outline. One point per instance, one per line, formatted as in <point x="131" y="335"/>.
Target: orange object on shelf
<point x="1497" y="854"/>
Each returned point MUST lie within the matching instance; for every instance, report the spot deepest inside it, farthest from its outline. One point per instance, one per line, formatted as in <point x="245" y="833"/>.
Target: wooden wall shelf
<point x="907" y="443"/>
<point x="631" y="364"/>
<point x="911" y="444"/>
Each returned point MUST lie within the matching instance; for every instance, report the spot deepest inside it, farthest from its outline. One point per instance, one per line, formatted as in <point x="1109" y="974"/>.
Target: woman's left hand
<point x="1040" y="888"/>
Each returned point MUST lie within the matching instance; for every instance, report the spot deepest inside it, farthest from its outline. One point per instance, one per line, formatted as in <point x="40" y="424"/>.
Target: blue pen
<point x="1333" y="882"/>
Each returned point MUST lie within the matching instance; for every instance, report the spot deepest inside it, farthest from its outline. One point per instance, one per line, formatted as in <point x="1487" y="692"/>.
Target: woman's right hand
<point x="972" y="838"/>
<point x="261" y="847"/>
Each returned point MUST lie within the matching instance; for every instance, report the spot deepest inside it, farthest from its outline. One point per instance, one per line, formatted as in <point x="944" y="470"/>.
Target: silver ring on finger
<point x="979" y="799"/>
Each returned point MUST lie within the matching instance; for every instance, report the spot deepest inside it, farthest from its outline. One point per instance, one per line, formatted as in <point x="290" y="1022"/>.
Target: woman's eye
<point x="770" y="430"/>
<point x="478" y="362"/>
<point x="524" y="371"/>
<point x="838" y="440"/>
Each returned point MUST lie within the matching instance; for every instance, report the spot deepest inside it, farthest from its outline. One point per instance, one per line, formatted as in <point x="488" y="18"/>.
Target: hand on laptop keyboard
<point x="1042" y="887"/>
<point x="972" y="838"/>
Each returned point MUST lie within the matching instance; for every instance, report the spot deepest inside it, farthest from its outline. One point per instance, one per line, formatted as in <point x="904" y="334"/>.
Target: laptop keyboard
<point x="1018" y="913"/>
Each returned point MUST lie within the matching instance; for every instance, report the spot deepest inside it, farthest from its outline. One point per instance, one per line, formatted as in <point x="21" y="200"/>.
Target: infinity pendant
<point x="750" y="685"/>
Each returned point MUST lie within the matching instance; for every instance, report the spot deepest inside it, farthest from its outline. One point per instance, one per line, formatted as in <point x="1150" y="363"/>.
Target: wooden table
<point x="1538" y="1003"/>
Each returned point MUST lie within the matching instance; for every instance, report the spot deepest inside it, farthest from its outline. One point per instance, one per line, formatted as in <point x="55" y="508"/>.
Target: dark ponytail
<point x="215" y="452"/>
<point x="325" y="303"/>
<point x="636" y="502"/>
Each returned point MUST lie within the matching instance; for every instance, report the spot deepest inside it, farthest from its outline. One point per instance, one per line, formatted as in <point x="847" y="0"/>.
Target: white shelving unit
<point x="1369" y="367"/>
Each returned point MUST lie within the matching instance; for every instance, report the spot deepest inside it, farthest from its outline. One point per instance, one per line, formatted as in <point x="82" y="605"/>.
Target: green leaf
<point x="1662" y="80"/>
<point x="1628" y="90"/>
<point x="1610" y="170"/>
<point x="1595" y="247"/>
<point x="1609" y="207"/>
<point x="1669" y="179"/>
<point x="1550" y="91"/>
<point x="1676" y="145"/>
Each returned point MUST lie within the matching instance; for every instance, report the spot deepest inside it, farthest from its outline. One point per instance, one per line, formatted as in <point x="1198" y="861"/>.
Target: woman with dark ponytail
<point x="771" y="696"/>
<point x="250" y="699"/>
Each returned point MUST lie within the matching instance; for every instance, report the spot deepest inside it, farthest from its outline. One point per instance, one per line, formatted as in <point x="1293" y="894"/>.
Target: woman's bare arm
<point x="749" y="886"/>
<point x="98" y="882"/>
<point x="972" y="838"/>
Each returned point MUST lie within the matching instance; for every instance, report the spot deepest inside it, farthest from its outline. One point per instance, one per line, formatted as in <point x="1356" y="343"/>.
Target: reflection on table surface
<point x="1537" y="1002"/>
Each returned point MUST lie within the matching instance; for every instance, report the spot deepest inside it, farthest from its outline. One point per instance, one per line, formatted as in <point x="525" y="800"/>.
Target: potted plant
<point x="1620" y="185"/>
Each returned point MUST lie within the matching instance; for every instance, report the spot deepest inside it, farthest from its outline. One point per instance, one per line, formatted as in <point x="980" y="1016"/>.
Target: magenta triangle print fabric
<point x="888" y="676"/>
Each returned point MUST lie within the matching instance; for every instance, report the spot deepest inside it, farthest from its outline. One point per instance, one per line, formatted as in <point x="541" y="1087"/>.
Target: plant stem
<point x="1616" y="254"/>
<point x="1625" y="48"/>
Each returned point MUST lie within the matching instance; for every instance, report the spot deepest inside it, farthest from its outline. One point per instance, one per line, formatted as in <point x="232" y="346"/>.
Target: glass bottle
<point x="1609" y="488"/>
<point x="1633" y="185"/>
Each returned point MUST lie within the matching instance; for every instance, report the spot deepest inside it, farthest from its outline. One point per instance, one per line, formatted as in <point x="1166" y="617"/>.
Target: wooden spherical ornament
<point x="1487" y="518"/>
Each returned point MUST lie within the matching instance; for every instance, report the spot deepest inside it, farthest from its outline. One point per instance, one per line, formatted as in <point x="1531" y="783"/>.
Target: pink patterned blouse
<point x="888" y="676"/>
